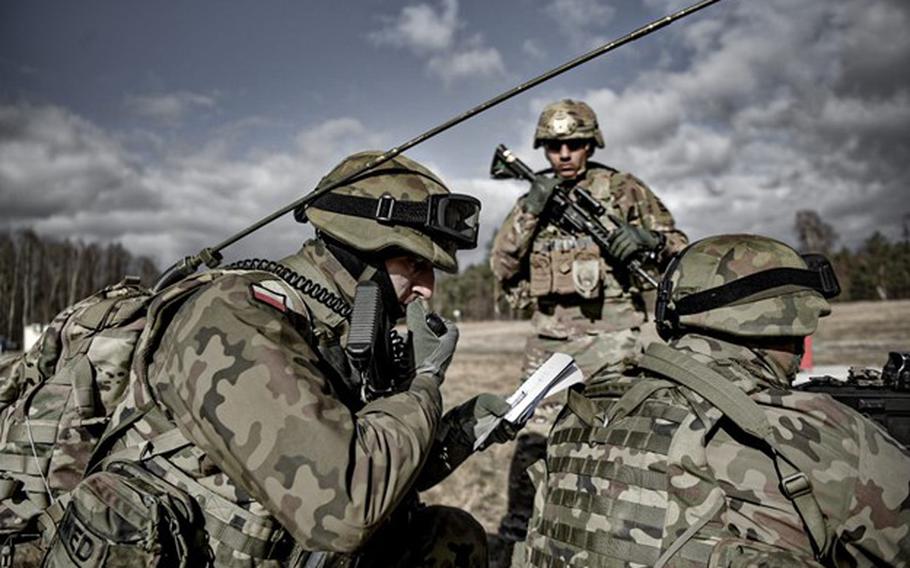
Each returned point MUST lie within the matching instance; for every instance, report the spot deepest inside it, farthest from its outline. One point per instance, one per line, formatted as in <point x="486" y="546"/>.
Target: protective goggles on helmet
<point x="819" y="276"/>
<point x="451" y="216"/>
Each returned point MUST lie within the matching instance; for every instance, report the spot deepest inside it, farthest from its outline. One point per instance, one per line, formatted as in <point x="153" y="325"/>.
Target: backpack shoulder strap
<point x="746" y="414"/>
<point x="710" y="385"/>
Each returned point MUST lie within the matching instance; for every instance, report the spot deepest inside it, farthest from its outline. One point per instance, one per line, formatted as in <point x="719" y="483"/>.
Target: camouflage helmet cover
<point x="567" y="120"/>
<point x="400" y="177"/>
<point x="784" y="310"/>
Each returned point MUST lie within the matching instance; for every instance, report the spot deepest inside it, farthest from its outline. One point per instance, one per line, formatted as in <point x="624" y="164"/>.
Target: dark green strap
<point x="112" y="435"/>
<point x="634" y="397"/>
<point x="582" y="407"/>
<point x="221" y="515"/>
<point x="162" y="444"/>
<point x="690" y="532"/>
<point x="710" y="385"/>
<point x="745" y="413"/>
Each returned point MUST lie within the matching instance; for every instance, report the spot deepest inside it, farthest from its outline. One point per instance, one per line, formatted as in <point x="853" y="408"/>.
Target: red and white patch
<point x="272" y="298"/>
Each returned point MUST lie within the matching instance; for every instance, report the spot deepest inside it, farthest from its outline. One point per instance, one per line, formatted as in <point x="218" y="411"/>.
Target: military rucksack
<point x="125" y="515"/>
<point x="56" y="400"/>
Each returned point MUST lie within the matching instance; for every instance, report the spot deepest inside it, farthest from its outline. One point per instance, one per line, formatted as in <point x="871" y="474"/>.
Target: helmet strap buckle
<point x="385" y="207"/>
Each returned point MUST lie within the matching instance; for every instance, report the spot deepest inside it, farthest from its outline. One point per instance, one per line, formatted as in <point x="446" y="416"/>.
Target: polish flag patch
<point x="266" y="296"/>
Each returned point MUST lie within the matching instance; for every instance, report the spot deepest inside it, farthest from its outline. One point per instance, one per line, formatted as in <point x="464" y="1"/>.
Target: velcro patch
<point x="270" y="297"/>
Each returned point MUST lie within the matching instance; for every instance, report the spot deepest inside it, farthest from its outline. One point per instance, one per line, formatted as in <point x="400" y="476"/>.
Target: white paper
<point x="558" y="373"/>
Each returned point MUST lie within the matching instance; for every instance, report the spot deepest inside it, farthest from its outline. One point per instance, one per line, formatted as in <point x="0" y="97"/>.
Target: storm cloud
<point x="65" y="177"/>
<point x="757" y="113"/>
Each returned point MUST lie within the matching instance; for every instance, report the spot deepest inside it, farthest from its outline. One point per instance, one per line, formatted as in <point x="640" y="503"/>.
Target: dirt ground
<point x="489" y="360"/>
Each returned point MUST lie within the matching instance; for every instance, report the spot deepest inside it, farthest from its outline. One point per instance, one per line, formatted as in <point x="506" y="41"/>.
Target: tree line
<point x="878" y="269"/>
<point x="39" y="276"/>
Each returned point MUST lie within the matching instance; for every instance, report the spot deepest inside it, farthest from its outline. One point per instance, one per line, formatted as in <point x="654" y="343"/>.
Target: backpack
<point x="125" y="515"/>
<point x="56" y="400"/>
<point x="604" y="493"/>
<point x="62" y="407"/>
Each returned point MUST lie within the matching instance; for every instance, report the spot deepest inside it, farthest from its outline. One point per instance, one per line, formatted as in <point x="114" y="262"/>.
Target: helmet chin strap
<point x="362" y="269"/>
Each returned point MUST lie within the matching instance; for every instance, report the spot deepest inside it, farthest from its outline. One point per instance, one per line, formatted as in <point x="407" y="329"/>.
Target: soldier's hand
<point x="627" y="241"/>
<point x="476" y="415"/>
<point x="541" y="190"/>
<point x="433" y="348"/>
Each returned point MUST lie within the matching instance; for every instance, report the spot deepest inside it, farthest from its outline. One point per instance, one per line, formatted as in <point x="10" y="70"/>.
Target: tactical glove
<point x="458" y="432"/>
<point x="541" y="189"/>
<point x="432" y="352"/>
<point x="473" y="416"/>
<point x="627" y="241"/>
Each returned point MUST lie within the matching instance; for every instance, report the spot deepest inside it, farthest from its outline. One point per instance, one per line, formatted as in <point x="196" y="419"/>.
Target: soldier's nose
<point x="424" y="283"/>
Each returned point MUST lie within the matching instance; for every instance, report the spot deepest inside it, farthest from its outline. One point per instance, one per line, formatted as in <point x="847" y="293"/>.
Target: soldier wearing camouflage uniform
<point x="284" y="449"/>
<point x="585" y="304"/>
<point x="707" y="456"/>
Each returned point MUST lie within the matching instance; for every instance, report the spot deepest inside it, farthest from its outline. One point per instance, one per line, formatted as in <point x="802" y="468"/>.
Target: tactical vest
<point x="605" y="497"/>
<point x="562" y="263"/>
<point x="57" y="399"/>
<point x="575" y="289"/>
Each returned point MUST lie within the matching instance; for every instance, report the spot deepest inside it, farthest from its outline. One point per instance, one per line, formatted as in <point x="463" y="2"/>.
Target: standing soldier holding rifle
<point x="584" y="279"/>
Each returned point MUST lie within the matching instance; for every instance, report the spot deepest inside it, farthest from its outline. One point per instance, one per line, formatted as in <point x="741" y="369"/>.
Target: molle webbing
<point x="48" y="433"/>
<point x="226" y="522"/>
<point x="747" y="415"/>
<point x="609" y="522"/>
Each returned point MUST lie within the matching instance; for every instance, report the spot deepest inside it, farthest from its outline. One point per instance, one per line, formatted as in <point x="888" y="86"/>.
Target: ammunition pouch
<point x="566" y="266"/>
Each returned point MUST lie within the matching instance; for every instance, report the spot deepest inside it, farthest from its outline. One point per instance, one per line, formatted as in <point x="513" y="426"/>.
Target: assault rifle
<point x="576" y="209"/>
<point x="883" y="396"/>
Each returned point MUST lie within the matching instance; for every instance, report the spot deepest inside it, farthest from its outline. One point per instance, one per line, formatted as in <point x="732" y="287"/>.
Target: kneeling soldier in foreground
<point x="249" y="439"/>
<point x="706" y="456"/>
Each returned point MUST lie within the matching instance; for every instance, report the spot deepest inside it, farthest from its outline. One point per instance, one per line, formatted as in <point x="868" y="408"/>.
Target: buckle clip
<point x="6" y="555"/>
<point x="385" y="206"/>
<point x="795" y="486"/>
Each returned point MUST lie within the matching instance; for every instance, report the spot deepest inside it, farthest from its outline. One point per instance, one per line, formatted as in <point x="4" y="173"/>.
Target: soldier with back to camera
<point x="244" y="399"/>
<point x="586" y="302"/>
<point x="706" y="456"/>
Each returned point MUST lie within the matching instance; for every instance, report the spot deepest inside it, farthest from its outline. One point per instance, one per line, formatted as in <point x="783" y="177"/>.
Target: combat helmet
<point x="567" y="120"/>
<point x="397" y="205"/>
<point x="745" y="286"/>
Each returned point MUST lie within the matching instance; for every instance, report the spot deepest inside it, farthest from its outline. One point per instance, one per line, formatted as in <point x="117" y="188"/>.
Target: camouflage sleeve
<point x="512" y="243"/>
<point x="877" y="524"/>
<point x="640" y="206"/>
<point x="247" y="387"/>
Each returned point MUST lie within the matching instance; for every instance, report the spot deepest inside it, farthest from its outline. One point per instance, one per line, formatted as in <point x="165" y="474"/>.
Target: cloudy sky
<point x="169" y="125"/>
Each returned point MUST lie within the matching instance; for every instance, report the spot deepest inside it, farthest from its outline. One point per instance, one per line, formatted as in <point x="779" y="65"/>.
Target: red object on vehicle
<point x="806" y="363"/>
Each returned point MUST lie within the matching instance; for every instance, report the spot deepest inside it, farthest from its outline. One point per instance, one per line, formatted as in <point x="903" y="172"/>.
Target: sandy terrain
<point x="489" y="359"/>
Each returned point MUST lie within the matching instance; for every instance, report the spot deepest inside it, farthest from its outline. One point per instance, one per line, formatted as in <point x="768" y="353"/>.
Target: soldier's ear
<point x="590" y="148"/>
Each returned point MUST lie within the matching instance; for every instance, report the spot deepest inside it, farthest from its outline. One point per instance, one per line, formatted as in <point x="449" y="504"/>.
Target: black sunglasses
<point x="574" y="144"/>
